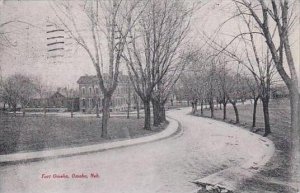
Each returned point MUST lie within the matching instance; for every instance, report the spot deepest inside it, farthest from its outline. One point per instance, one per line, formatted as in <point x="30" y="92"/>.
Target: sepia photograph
<point x="149" y="96"/>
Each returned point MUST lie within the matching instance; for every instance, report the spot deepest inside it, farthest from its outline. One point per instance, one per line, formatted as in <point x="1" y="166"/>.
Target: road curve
<point x="203" y="147"/>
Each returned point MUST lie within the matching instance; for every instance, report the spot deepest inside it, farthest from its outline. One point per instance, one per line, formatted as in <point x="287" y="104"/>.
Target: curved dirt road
<point x="202" y="148"/>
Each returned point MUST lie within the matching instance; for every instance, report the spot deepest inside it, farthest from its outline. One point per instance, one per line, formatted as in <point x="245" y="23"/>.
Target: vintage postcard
<point x="149" y="96"/>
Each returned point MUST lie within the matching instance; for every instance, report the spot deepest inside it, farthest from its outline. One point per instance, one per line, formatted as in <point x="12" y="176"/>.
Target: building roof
<point x="54" y="94"/>
<point x="57" y="95"/>
<point x="87" y="79"/>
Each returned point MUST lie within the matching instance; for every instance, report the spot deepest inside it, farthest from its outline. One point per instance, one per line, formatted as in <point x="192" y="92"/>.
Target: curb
<point x="228" y="180"/>
<point x="15" y="158"/>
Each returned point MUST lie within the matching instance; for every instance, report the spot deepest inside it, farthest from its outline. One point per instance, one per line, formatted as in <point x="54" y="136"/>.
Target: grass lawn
<point x="274" y="177"/>
<point x="32" y="133"/>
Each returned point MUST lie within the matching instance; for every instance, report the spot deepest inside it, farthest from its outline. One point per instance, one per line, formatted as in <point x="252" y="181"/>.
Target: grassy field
<point x="31" y="133"/>
<point x="274" y="177"/>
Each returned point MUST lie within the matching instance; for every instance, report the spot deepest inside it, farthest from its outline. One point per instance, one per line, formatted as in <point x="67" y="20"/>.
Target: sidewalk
<point x="80" y="114"/>
<point x="171" y="129"/>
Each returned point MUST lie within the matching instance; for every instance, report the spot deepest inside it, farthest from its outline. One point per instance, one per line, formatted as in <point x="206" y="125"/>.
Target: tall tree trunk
<point x="137" y="106"/>
<point x="162" y="113"/>
<point x="193" y="108"/>
<point x="105" y="115"/>
<point x="292" y="81"/>
<point x="137" y="110"/>
<point x="147" y="122"/>
<point x="45" y="111"/>
<point x="236" y="112"/>
<point x="211" y="106"/>
<point x="128" y="110"/>
<point x="254" y="112"/>
<point x="265" y="103"/>
<point x="15" y="110"/>
<point x="46" y="105"/>
<point x="97" y="108"/>
<point x="224" y="111"/>
<point x="72" y="108"/>
<point x="293" y="88"/>
<point x="23" y="111"/>
<point x="201" y="107"/>
<point x="295" y="158"/>
<point x="156" y="113"/>
<point x="196" y="105"/>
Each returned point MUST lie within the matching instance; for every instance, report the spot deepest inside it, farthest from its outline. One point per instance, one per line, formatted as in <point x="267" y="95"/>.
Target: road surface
<point x="202" y="148"/>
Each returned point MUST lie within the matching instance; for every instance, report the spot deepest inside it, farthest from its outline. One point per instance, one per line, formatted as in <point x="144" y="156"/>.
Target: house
<point x="55" y="102"/>
<point x="91" y="97"/>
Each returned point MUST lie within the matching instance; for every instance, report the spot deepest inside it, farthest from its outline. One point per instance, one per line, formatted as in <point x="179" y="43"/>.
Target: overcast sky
<point x="29" y="55"/>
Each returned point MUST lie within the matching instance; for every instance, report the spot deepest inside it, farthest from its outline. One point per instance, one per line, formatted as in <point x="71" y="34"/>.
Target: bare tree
<point x="71" y="94"/>
<point x="196" y="77"/>
<point x="198" y="66"/>
<point x="275" y="19"/>
<point x="211" y="84"/>
<point x="261" y="66"/>
<point x="152" y="49"/>
<point x="43" y="92"/>
<point x="109" y="21"/>
<point x="224" y="84"/>
<point x="137" y="104"/>
<point x="272" y="20"/>
<point x="162" y="92"/>
<point x="129" y="91"/>
<point x="165" y="86"/>
<point x="187" y="89"/>
<point x="254" y="90"/>
<point x="18" y="89"/>
<point x="236" y="91"/>
<point x="282" y="16"/>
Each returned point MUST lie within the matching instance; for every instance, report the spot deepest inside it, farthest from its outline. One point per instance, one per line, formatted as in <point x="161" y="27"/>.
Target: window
<point x="83" y="102"/>
<point x="90" y="90"/>
<point x="83" y="90"/>
<point x="97" y="90"/>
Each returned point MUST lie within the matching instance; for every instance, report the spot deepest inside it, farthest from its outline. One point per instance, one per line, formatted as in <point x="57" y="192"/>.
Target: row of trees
<point x="262" y="46"/>
<point x="212" y="77"/>
<point x="273" y="21"/>
<point x="211" y="81"/>
<point x="152" y="56"/>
